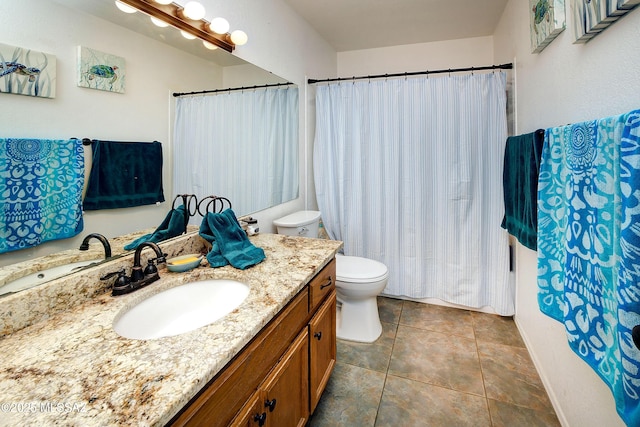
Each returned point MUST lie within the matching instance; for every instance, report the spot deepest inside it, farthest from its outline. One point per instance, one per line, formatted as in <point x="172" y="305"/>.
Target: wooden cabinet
<point x="322" y="348"/>
<point x="282" y="399"/>
<point x="252" y="414"/>
<point x="277" y="379"/>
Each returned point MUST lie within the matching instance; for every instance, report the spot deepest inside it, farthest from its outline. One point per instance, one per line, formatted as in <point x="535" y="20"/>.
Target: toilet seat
<point x="352" y="269"/>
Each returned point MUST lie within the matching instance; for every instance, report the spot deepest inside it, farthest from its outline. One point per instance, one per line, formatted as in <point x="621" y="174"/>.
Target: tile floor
<point x="435" y="366"/>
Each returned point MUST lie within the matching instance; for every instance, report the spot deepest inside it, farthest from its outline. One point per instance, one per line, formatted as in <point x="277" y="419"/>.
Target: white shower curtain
<point x="242" y="145"/>
<point x="409" y="172"/>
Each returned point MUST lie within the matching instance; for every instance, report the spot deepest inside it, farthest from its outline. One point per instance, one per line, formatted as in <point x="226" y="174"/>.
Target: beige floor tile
<point x="437" y="318"/>
<point x="389" y="309"/>
<point x="437" y="358"/>
<point x="434" y="365"/>
<point x="351" y="398"/>
<point x="510" y="376"/>
<point x="412" y="403"/>
<point x="496" y="329"/>
<point x="507" y="415"/>
<point x="375" y="355"/>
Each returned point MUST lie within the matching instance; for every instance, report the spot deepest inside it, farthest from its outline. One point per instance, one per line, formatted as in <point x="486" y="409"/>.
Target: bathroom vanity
<point x="265" y="363"/>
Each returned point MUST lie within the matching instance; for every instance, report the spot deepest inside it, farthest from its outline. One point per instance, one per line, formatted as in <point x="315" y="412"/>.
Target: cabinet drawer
<point x="322" y="285"/>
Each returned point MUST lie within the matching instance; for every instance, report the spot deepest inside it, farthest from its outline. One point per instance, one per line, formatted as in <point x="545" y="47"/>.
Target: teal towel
<point x="174" y="224"/>
<point x="230" y="244"/>
<point x="41" y="184"/>
<point x="520" y="182"/>
<point x="124" y="174"/>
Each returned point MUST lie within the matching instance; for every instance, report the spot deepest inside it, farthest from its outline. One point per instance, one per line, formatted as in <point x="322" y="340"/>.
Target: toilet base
<point x="358" y="320"/>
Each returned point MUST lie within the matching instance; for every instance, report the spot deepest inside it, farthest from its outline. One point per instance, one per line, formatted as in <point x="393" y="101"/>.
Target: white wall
<point x="417" y="57"/>
<point x="566" y="83"/>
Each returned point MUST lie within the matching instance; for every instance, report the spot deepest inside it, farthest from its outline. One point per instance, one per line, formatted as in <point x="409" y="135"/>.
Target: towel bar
<point x="212" y="204"/>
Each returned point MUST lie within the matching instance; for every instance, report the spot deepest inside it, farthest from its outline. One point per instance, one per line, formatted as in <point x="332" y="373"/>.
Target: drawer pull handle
<point x="260" y="418"/>
<point x="271" y="404"/>
<point x="318" y="335"/>
<point x="329" y="283"/>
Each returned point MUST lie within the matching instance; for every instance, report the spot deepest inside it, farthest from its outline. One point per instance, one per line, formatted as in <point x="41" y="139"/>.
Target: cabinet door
<point x="286" y="390"/>
<point x="322" y="345"/>
<point x="253" y="413"/>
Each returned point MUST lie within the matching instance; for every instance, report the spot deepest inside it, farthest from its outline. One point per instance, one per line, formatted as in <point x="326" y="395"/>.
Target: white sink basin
<point x="181" y="309"/>
<point x="42" y="276"/>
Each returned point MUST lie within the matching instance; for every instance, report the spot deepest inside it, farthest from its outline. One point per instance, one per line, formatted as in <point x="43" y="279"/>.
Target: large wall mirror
<point x="229" y="71"/>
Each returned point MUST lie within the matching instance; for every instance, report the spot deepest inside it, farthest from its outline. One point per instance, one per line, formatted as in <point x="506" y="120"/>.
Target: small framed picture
<point x="547" y="18"/>
<point x="101" y="71"/>
<point x="591" y="17"/>
<point x="27" y="72"/>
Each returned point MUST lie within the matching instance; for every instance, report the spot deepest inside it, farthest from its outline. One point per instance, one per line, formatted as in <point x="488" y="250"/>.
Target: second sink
<point x="181" y="309"/>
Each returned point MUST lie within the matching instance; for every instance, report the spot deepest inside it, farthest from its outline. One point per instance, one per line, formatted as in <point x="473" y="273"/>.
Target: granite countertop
<point x="73" y="369"/>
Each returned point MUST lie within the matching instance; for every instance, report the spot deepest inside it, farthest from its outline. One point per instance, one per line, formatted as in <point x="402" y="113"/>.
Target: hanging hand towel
<point x="124" y="174"/>
<point x="230" y="243"/>
<point x="520" y="182"/>
<point x="589" y="247"/>
<point x="174" y="224"/>
<point x="41" y="184"/>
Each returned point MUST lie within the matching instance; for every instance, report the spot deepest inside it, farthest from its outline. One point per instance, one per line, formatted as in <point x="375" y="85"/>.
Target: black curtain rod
<point x="231" y="89"/>
<point x="415" y="73"/>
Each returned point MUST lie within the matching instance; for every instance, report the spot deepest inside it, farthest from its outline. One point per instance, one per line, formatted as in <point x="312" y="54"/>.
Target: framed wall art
<point x="101" y="71"/>
<point x="27" y="72"/>
<point x="547" y="18"/>
<point x="591" y="17"/>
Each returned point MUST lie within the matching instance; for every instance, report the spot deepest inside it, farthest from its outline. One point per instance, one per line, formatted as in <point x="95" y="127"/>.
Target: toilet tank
<point x="301" y="223"/>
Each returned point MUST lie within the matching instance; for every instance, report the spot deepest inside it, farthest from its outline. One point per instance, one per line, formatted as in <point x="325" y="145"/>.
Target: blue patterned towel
<point x="41" y="184"/>
<point x="589" y="247"/>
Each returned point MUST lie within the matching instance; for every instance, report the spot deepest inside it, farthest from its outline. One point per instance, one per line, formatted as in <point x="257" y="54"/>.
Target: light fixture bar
<point x="172" y="15"/>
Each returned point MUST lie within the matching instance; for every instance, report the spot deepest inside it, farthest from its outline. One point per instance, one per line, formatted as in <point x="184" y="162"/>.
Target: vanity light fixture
<point x="194" y="10"/>
<point x="219" y="25"/>
<point x="159" y="22"/>
<point x="187" y="35"/>
<point x="124" y="8"/>
<point x="208" y="45"/>
<point x="189" y="19"/>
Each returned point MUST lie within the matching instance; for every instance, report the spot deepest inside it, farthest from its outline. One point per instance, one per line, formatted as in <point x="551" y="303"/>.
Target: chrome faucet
<point x="105" y="243"/>
<point x="139" y="278"/>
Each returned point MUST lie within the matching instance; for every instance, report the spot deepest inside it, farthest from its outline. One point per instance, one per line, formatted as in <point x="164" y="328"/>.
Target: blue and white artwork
<point x="547" y="21"/>
<point x="99" y="70"/>
<point x="591" y="17"/>
<point x="27" y="72"/>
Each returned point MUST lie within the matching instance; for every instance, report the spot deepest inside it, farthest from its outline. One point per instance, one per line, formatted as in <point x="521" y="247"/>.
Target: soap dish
<point x="184" y="263"/>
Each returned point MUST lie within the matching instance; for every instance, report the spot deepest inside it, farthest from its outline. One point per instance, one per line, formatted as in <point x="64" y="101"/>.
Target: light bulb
<point x="209" y="45"/>
<point x="239" y="37"/>
<point x="187" y="35"/>
<point x="159" y="22"/>
<point x="163" y="1"/>
<point x="194" y="10"/>
<point x="219" y="25"/>
<point x="125" y="7"/>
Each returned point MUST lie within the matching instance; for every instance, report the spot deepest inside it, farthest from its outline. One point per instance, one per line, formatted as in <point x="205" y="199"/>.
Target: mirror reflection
<point x="159" y="62"/>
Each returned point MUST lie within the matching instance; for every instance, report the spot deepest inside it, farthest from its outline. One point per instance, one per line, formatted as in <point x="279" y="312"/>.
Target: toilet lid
<point x="354" y="269"/>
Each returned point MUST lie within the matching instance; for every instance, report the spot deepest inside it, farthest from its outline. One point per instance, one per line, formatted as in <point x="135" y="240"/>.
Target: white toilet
<point x="358" y="282"/>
